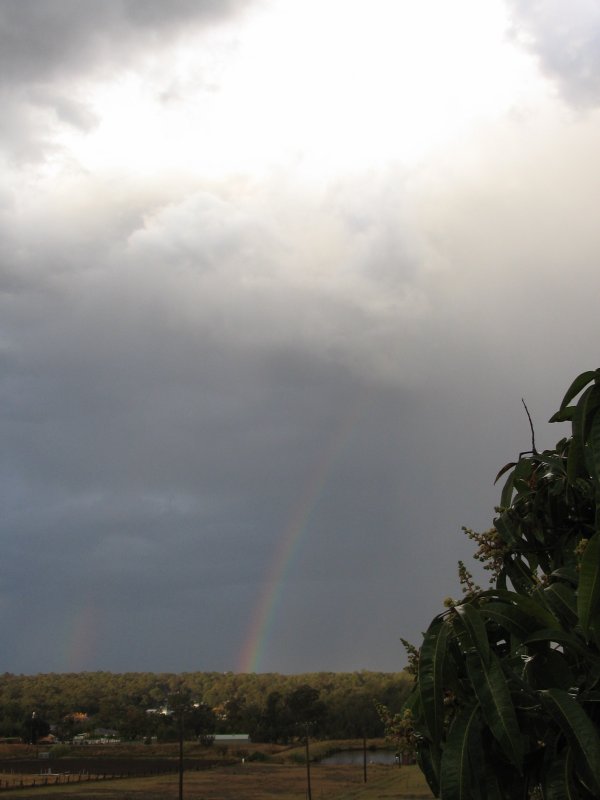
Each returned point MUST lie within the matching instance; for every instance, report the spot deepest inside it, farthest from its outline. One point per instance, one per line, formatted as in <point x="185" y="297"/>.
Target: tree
<point x="506" y="700"/>
<point x="201" y="720"/>
<point x="274" y="723"/>
<point x="34" y="727"/>
<point x="306" y="710"/>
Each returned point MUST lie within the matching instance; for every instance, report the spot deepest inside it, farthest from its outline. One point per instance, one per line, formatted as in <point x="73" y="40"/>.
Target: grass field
<point x="249" y="782"/>
<point x="281" y="775"/>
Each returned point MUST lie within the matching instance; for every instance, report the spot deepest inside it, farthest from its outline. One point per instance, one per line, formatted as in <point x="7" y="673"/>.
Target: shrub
<point x="256" y="756"/>
<point x="506" y="701"/>
<point x="59" y="751"/>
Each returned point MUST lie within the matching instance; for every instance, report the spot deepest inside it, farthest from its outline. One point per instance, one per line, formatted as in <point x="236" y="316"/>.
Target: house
<point x="231" y="738"/>
<point x="49" y="739"/>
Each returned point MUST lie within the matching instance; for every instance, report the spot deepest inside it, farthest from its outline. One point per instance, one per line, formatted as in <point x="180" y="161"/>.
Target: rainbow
<point x="81" y="639"/>
<point x="262" y="619"/>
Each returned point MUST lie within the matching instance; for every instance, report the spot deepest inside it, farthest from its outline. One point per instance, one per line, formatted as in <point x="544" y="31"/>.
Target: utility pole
<point x="181" y="712"/>
<point x="179" y="703"/>
<point x="308" y="790"/>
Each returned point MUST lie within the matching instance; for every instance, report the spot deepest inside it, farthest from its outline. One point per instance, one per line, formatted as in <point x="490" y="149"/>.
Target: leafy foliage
<point x="506" y="700"/>
<point x="399" y="729"/>
<point x="266" y="706"/>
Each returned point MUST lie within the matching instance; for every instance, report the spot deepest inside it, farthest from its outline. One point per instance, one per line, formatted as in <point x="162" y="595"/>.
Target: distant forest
<point x="132" y="706"/>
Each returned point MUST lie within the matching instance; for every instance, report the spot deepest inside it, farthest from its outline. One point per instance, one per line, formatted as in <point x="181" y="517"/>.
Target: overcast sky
<point x="274" y="278"/>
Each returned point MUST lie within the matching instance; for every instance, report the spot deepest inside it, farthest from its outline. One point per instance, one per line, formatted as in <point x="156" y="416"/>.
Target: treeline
<point x="268" y="707"/>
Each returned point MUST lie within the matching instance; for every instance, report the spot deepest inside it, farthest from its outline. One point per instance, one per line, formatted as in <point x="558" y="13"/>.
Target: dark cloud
<point x="49" y="50"/>
<point x="179" y="385"/>
<point x="190" y="367"/>
<point x="566" y="42"/>
<point x="166" y="411"/>
<point x="41" y="42"/>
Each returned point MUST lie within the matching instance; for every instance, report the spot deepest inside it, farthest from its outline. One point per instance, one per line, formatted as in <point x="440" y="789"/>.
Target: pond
<point x="356" y="757"/>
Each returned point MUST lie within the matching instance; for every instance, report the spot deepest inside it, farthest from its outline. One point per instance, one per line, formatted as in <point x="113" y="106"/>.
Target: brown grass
<point x="249" y="782"/>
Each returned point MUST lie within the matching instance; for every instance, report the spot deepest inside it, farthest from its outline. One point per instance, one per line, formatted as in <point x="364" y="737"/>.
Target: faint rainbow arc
<point x="264" y="612"/>
<point x="81" y="642"/>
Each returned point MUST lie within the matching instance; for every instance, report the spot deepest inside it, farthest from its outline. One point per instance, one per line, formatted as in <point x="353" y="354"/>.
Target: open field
<point x="282" y="774"/>
<point x="249" y="782"/>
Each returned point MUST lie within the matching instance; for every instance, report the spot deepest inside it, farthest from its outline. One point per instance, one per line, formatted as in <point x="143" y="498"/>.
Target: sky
<point x="274" y="278"/>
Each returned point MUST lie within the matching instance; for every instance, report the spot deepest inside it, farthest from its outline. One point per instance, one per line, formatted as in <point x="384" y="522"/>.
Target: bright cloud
<point x="315" y="89"/>
<point x="244" y="246"/>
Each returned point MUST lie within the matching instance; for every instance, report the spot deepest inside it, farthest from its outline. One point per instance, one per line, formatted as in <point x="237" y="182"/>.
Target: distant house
<point x="49" y="739"/>
<point x="105" y="735"/>
<point x="231" y="738"/>
<point x="163" y="711"/>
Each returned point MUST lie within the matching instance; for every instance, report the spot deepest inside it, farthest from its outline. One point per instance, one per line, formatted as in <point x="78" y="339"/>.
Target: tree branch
<point x="533" y="448"/>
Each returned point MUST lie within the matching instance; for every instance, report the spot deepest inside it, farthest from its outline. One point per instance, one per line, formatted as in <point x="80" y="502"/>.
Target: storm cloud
<point x="567" y="45"/>
<point x="199" y="360"/>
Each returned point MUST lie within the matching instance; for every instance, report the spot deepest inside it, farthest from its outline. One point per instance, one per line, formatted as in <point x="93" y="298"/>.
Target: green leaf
<point x="561" y="600"/>
<point x="559" y="783"/>
<point x="511" y="618"/>
<point x="578" y="425"/>
<point x="550" y="459"/>
<point x="530" y="607"/>
<point x="567" y="574"/>
<point x="428" y="759"/>
<point x="592" y="696"/>
<point x="578" y="384"/>
<point x="580" y="732"/>
<point x="524" y="469"/>
<point x="575" y="459"/>
<point x="569" y="642"/>
<point x="549" y="669"/>
<point x="474" y="627"/>
<point x="497" y="708"/>
<point x="588" y="595"/>
<point x="431" y="675"/>
<point x="521" y="576"/>
<point x="564" y="415"/>
<point x="505" y="530"/>
<point x="594" y="444"/>
<point x="504" y="469"/>
<point x="456" y="775"/>
<point x="493" y="790"/>
<point x="507" y="491"/>
<point x="589" y="408"/>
